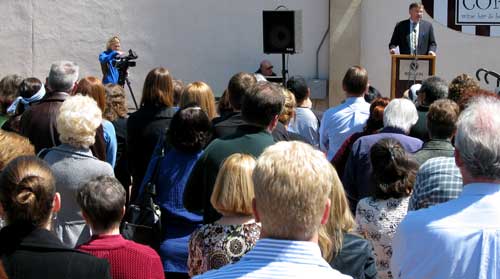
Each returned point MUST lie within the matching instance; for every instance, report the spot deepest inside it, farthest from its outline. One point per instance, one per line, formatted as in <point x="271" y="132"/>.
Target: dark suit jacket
<point x="401" y="38"/>
<point x="28" y="252"/>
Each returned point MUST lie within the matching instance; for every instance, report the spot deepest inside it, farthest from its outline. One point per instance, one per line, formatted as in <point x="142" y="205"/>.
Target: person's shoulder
<point x="141" y="250"/>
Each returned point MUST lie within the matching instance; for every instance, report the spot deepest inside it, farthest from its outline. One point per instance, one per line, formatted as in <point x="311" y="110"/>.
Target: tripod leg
<point x="131" y="93"/>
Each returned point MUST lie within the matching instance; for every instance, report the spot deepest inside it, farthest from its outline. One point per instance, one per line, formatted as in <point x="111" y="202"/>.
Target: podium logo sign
<point x="476" y="17"/>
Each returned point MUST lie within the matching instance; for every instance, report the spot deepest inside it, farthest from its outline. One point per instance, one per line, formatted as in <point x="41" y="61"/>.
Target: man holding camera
<point x="109" y="71"/>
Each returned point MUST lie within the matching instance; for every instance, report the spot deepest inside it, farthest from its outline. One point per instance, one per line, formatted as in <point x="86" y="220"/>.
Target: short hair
<point x="372" y="94"/>
<point x="401" y="114"/>
<point x="393" y="170"/>
<point x="477" y="138"/>
<point x="178" y="88"/>
<point x="435" y="88"/>
<point x="27" y="191"/>
<point x="29" y="87"/>
<point x="92" y="87"/>
<point x="102" y="199"/>
<point x="416" y="5"/>
<point x="77" y="121"/>
<point x="355" y="80"/>
<point x="199" y="94"/>
<point x="158" y="88"/>
<point x="13" y="145"/>
<point x="240" y="85"/>
<point x="442" y="119"/>
<point x="298" y="86"/>
<point x="62" y="76"/>
<point x="113" y="40"/>
<point x="233" y="190"/>
<point x="262" y="104"/>
<point x="116" y="102"/>
<point x="288" y="110"/>
<point x="9" y="86"/>
<point x="460" y="84"/>
<point x="376" y="119"/>
<point x="190" y="130"/>
<point x="292" y="183"/>
<point x="468" y="97"/>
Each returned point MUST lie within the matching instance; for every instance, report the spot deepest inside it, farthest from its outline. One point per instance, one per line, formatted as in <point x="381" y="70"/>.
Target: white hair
<point x="62" y="76"/>
<point x="478" y="138"/>
<point x="400" y="113"/>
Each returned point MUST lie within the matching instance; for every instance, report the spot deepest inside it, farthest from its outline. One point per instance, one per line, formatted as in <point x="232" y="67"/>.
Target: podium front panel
<point x="407" y="70"/>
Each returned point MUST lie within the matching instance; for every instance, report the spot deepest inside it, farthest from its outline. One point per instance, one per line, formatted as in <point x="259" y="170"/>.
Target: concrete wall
<point x="196" y="39"/>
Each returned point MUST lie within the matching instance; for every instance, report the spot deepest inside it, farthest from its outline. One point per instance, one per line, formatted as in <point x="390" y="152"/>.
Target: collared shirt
<point x="273" y="258"/>
<point x="340" y="122"/>
<point x="438" y="180"/>
<point x="456" y="239"/>
<point x="306" y="124"/>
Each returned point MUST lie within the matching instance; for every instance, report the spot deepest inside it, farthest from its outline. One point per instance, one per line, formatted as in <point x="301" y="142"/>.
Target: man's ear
<point x="326" y="213"/>
<point x="255" y="212"/>
<point x="273" y="123"/>
<point x="56" y="203"/>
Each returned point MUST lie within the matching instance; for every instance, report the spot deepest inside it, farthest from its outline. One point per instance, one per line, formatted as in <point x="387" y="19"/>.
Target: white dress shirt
<point x="456" y="239"/>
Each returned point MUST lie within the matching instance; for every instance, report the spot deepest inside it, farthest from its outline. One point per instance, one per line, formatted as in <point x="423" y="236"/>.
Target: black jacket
<point x="355" y="258"/>
<point x="401" y="37"/>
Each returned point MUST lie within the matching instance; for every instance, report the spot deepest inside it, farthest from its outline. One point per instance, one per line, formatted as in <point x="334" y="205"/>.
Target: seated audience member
<point x="12" y="146"/>
<point x="281" y="132"/>
<point x="266" y="69"/>
<point x="340" y="122"/>
<point x="378" y="216"/>
<point x="412" y="93"/>
<point x="102" y="201"/>
<point x="92" y="87"/>
<point x="189" y="132"/>
<point x="432" y="89"/>
<point x="260" y="110"/>
<point x="178" y="89"/>
<point x="199" y="94"/>
<point x="372" y="94"/>
<point x="460" y="85"/>
<point x="462" y="233"/>
<point x="305" y="122"/>
<point x="28" y="202"/>
<point x="346" y="251"/>
<point x="374" y="123"/>
<point x="235" y="233"/>
<point x="399" y="116"/>
<point x="73" y="163"/>
<point x="441" y="123"/>
<point x="291" y="202"/>
<point x="9" y="91"/>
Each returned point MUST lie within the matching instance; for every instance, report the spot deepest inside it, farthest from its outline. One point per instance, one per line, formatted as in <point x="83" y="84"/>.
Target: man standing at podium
<point x="414" y="35"/>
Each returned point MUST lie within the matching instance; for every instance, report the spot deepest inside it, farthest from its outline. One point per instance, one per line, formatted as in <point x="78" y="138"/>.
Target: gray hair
<point x="62" y="76"/>
<point x="478" y="138"/>
<point x="400" y="113"/>
<point x="435" y="88"/>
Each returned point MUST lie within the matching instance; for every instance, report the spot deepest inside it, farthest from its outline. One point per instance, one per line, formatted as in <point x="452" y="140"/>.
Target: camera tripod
<point x="122" y="80"/>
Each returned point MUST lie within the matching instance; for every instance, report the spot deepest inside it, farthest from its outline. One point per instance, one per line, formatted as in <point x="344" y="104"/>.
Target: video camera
<point x="122" y="63"/>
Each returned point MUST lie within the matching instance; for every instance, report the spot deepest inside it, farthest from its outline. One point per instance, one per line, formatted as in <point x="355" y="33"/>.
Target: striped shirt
<point x="273" y="258"/>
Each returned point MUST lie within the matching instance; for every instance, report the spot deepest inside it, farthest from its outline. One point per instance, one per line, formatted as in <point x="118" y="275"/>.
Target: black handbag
<point x="142" y="220"/>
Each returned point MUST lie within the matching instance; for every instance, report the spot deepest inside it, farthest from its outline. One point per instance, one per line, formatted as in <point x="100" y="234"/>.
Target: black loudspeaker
<point x="282" y="31"/>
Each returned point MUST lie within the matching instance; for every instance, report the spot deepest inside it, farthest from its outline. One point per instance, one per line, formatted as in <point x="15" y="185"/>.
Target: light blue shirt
<point x="456" y="239"/>
<point x="273" y="258"/>
<point x="306" y="124"/>
<point x="111" y="141"/>
<point x="340" y="122"/>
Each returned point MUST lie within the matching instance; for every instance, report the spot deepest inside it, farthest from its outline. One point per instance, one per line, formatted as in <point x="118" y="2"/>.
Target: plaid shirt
<point x="438" y="180"/>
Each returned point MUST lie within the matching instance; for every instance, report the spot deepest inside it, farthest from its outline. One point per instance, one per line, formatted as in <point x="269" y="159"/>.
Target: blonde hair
<point x="233" y="190"/>
<point x="113" y="40"/>
<point x="292" y="183"/>
<point x="12" y="146"/>
<point x="200" y="94"/>
<point x="288" y="111"/>
<point x="77" y="121"/>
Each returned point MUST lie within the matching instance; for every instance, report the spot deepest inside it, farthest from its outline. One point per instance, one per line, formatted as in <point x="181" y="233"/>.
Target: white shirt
<point x="305" y="123"/>
<point x="340" y="122"/>
<point x="456" y="239"/>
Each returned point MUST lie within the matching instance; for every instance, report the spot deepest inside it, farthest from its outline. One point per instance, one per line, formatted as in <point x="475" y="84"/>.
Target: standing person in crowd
<point x="102" y="201"/>
<point x="9" y="91"/>
<point x="73" y="163"/>
<point x="340" y="122"/>
<point x="107" y="58"/>
<point x="92" y="87"/>
<point x="399" y="116"/>
<point x="13" y="145"/>
<point x="225" y="241"/>
<point x="291" y="202"/>
<point x="463" y="233"/>
<point x="28" y="202"/>
<point x="281" y="132"/>
<point x="459" y="85"/>
<point x="305" y="122"/>
<point x="145" y="126"/>
<point x="188" y="134"/>
<point x="199" y="94"/>
<point x="260" y="110"/>
<point x="178" y="89"/>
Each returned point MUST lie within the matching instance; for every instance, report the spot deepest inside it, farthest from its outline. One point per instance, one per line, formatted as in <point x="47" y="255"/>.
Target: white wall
<point x="457" y="52"/>
<point x="196" y="39"/>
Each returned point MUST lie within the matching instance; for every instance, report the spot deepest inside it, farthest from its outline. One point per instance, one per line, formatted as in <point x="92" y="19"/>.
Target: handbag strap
<point x="150" y="187"/>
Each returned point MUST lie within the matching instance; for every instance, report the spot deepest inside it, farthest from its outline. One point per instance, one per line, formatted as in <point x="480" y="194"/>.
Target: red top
<point x="127" y="259"/>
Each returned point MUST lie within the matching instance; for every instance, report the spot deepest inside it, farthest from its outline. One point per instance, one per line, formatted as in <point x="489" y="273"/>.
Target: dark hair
<point x="264" y="102"/>
<point x="27" y="191"/>
<point x="190" y="130"/>
<point x="459" y="85"/>
<point x="223" y="105"/>
<point x="158" y="88"/>
<point x="435" y="88"/>
<point x="416" y="5"/>
<point x="442" y="119"/>
<point x="239" y="86"/>
<point x="393" y="171"/>
<point x="376" y="119"/>
<point x="372" y="94"/>
<point x="102" y="200"/>
<point x="355" y="80"/>
<point x="9" y="86"/>
<point x="28" y="87"/>
<point x="178" y="89"/>
<point x="298" y="86"/>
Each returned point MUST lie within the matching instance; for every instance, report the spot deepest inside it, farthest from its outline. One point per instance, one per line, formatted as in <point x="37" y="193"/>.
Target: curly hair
<point x="460" y="85"/>
<point x="116" y="102"/>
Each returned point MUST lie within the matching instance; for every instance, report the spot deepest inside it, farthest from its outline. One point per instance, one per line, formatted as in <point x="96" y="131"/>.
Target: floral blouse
<point x="378" y="220"/>
<point x="213" y="245"/>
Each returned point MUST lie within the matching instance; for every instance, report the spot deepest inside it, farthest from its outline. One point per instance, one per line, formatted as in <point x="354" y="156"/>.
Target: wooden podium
<point x="407" y="69"/>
